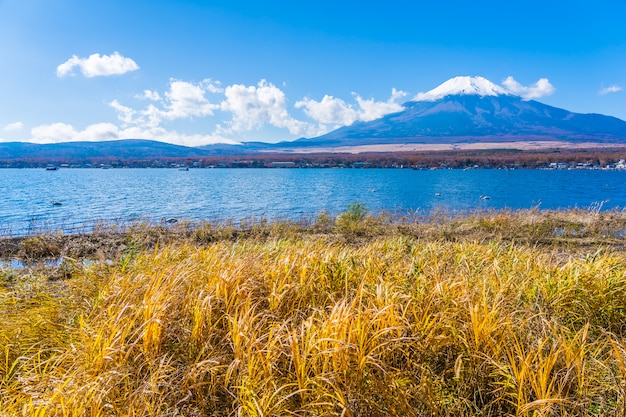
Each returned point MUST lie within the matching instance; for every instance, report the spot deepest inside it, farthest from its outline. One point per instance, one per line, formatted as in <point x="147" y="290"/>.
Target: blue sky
<point x="199" y="72"/>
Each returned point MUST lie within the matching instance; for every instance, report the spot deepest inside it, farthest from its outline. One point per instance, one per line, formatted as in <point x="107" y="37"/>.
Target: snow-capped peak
<point x="463" y="86"/>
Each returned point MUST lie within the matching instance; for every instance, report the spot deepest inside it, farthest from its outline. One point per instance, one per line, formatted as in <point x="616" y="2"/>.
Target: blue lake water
<point x="88" y="196"/>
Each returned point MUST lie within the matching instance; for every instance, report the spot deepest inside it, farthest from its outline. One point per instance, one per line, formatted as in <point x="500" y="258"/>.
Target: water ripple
<point x="88" y="196"/>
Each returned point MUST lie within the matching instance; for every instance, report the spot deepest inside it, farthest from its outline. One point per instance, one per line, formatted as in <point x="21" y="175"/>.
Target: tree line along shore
<point x="592" y="158"/>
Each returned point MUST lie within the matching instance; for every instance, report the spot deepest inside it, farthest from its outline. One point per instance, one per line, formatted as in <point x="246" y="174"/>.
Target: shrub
<point x="354" y="221"/>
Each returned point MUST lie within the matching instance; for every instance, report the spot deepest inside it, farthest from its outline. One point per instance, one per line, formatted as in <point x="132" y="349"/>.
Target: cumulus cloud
<point x="187" y="100"/>
<point x="249" y="107"/>
<point x="183" y="100"/>
<point x="13" y="126"/>
<point x="97" y="65"/>
<point x="213" y="86"/>
<point x="334" y="112"/>
<point x="61" y="132"/>
<point x="611" y="89"/>
<point x="539" y="89"/>
<point x="151" y="95"/>
<point x="242" y="108"/>
<point x="329" y="110"/>
<point x="253" y="107"/>
<point x="371" y="109"/>
<point x="124" y="113"/>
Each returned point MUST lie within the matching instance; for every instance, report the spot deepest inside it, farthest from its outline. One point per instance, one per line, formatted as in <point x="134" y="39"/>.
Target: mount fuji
<point x="474" y="110"/>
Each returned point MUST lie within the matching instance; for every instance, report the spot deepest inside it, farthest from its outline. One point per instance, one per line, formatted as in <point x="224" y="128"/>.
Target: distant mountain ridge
<point x="122" y="149"/>
<point x="462" y="110"/>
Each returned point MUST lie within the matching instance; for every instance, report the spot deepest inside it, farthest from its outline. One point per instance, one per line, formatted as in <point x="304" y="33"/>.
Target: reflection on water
<point x="19" y="264"/>
<point x="89" y="197"/>
<point x="13" y="264"/>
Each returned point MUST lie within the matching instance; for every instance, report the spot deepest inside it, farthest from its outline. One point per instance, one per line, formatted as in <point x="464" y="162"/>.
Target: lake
<point x="89" y="196"/>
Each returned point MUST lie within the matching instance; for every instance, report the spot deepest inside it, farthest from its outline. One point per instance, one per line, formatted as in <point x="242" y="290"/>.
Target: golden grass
<point x="311" y="325"/>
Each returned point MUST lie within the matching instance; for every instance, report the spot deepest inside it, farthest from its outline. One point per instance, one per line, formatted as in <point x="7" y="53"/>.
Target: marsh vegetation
<point x="495" y="313"/>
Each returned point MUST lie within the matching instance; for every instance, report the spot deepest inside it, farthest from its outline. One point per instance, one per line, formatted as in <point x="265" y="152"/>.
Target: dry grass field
<point x="492" y="314"/>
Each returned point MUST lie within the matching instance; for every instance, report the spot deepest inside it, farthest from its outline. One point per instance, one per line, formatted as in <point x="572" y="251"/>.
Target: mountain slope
<point x="472" y="109"/>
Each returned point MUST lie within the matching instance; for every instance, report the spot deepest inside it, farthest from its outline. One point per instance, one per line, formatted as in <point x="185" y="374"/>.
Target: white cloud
<point x="187" y="100"/>
<point x="213" y="86"/>
<point x="611" y="89"/>
<point x="246" y="107"/>
<point x="254" y="106"/>
<point x="53" y="133"/>
<point x="124" y="113"/>
<point x="251" y="107"/>
<point x="151" y="95"/>
<point x="330" y="110"/>
<point x="371" y="110"/>
<point x="13" y="126"/>
<point x="97" y="65"/>
<point x="335" y="112"/>
<point x="539" y="89"/>
<point x="183" y="100"/>
<point x="61" y="132"/>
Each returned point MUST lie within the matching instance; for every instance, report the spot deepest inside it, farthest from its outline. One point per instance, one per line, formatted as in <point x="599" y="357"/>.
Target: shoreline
<point x="528" y="154"/>
<point x="571" y="229"/>
<point x="529" y="145"/>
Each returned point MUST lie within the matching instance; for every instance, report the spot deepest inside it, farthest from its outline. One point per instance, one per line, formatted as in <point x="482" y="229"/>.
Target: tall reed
<point x="315" y="325"/>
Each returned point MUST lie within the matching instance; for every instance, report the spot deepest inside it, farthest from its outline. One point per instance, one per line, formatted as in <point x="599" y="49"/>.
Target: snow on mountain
<point x="464" y="85"/>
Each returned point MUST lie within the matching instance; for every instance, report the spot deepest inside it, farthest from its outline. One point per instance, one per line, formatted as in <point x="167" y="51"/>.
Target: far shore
<point x="511" y="154"/>
<point x="434" y="147"/>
